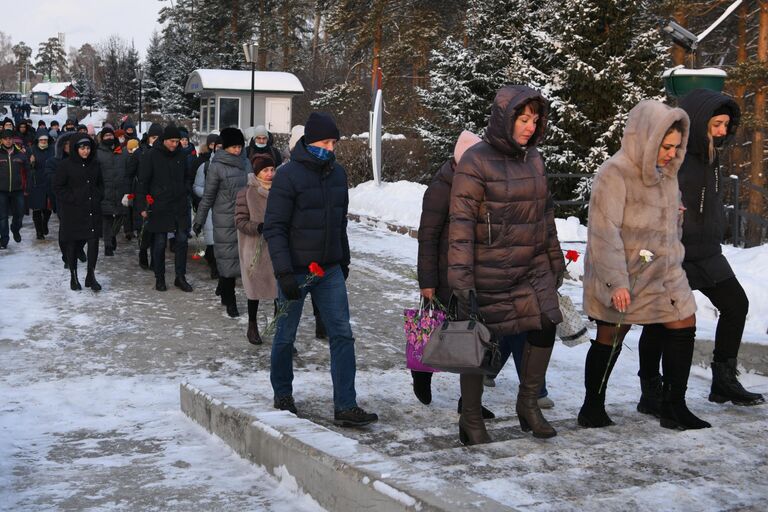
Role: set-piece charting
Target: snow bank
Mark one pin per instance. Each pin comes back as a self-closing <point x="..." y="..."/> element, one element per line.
<point x="398" y="203"/>
<point x="386" y="136"/>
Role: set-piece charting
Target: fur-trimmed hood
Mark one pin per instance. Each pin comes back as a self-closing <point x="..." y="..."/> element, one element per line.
<point x="647" y="124"/>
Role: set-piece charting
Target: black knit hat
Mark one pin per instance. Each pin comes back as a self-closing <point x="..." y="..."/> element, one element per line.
<point x="171" y="132"/>
<point x="232" y="137"/>
<point x="261" y="161"/>
<point x="106" y="130"/>
<point x="155" y="130"/>
<point x="320" y="126"/>
<point x="723" y="110"/>
<point x="6" y="134"/>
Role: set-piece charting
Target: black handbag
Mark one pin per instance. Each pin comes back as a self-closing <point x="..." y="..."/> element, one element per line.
<point x="463" y="346"/>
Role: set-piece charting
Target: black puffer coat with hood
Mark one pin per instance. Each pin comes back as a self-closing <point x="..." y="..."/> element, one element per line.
<point x="701" y="184"/>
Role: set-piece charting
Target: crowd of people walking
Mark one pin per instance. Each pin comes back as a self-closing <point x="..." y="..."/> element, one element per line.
<point x="278" y="222"/>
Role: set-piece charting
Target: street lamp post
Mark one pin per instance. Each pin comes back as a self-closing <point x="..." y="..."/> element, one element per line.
<point x="250" y="50"/>
<point x="141" y="84"/>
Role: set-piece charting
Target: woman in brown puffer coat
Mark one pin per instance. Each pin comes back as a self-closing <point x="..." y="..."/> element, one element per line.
<point x="258" y="276"/>
<point x="635" y="206"/>
<point x="503" y="247"/>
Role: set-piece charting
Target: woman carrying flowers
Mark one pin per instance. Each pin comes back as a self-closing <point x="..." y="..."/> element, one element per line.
<point x="633" y="266"/>
<point x="255" y="264"/>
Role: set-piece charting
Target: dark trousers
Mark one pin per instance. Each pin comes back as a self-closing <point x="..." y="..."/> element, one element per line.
<point x="159" y="242"/>
<point x="10" y="203"/>
<point x="227" y="289"/>
<point x="110" y="226"/>
<point x="74" y="247"/>
<point x="730" y="300"/>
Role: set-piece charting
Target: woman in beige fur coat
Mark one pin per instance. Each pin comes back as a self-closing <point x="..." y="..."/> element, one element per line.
<point x="635" y="207"/>
<point x="255" y="263"/>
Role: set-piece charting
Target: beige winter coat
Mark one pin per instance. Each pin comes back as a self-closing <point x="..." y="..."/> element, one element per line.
<point x="635" y="207"/>
<point x="259" y="279"/>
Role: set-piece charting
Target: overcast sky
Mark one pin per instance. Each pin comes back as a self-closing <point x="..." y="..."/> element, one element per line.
<point x="82" y="21"/>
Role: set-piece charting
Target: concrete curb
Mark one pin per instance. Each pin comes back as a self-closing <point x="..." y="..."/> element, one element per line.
<point x="338" y="472"/>
<point x="373" y="221"/>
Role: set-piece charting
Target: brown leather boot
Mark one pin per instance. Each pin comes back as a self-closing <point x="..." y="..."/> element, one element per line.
<point x="534" y="368"/>
<point x="471" y="424"/>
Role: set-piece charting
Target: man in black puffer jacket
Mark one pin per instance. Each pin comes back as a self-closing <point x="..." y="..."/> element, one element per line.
<point x="306" y="225"/>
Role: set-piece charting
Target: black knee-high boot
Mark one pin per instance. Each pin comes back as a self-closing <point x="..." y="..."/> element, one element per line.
<point x="471" y="424"/>
<point x="599" y="364"/>
<point x="676" y="364"/>
<point x="253" y="335"/>
<point x="74" y="283"/>
<point x="93" y="254"/>
<point x="46" y="218"/>
<point x="650" y="348"/>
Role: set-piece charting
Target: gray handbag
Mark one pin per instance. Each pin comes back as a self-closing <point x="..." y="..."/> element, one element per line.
<point x="463" y="346"/>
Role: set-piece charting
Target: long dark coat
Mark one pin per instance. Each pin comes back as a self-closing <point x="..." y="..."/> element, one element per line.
<point x="38" y="180"/>
<point x="79" y="191"/>
<point x="503" y="240"/>
<point x="164" y="175"/>
<point x="116" y="183"/>
<point x="701" y="184"/>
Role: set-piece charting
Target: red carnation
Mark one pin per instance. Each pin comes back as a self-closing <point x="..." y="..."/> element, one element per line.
<point x="131" y="197"/>
<point x="150" y="199"/>
<point x="316" y="269"/>
<point x="572" y="255"/>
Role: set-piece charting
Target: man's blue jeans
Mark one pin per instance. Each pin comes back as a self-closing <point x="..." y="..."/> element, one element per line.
<point x="13" y="201"/>
<point x="513" y="345"/>
<point x="330" y="295"/>
<point x="159" y="242"/>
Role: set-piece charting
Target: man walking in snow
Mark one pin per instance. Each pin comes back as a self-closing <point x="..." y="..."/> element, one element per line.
<point x="305" y="225"/>
<point x="13" y="170"/>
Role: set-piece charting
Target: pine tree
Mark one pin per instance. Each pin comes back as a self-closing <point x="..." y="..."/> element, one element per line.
<point x="129" y="76"/>
<point x="609" y="56"/>
<point x="153" y="74"/>
<point x="52" y="58"/>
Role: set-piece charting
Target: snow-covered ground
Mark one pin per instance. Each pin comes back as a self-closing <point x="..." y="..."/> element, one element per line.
<point x="400" y="203"/>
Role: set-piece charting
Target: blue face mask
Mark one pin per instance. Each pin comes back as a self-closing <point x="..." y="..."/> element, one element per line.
<point x="321" y="153"/>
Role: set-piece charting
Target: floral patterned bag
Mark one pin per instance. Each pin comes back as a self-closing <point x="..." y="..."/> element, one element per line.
<point x="419" y="324"/>
<point x="573" y="329"/>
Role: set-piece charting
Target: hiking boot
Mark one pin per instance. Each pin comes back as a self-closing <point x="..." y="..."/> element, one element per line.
<point x="286" y="403"/>
<point x="726" y="387"/>
<point x="354" y="417"/>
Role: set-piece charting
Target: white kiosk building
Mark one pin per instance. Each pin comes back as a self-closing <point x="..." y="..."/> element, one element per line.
<point x="225" y="98"/>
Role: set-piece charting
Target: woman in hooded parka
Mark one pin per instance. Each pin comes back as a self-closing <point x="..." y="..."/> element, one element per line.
<point x="714" y="120"/>
<point x="503" y="249"/>
<point x="79" y="191"/>
<point x="635" y="207"/>
<point x="226" y="177"/>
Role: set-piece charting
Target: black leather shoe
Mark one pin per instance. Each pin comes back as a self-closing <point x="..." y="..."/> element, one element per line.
<point x="354" y="417"/>
<point x="160" y="284"/>
<point x="286" y="403"/>
<point x="109" y="251"/>
<point x="181" y="283"/>
<point x="16" y="237"/>
<point x="81" y="256"/>
<point x="91" y="282"/>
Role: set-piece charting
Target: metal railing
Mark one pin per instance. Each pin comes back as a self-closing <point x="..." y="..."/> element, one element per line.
<point x="736" y="214"/>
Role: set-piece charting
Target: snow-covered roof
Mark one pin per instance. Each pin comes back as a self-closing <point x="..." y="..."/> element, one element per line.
<point x="682" y="71"/>
<point x="52" y="88"/>
<point x="231" y="80"/>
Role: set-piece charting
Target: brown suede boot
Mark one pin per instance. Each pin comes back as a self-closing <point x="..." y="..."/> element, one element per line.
<point x="532" y="373"/>
<point x="471" y="424"/>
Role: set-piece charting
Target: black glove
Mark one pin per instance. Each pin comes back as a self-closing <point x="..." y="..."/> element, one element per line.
<point x="289" y="287"/>
<point x="260" y="227"/>
<point x="345" y="271"/>
<point x="197" y="228"/>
